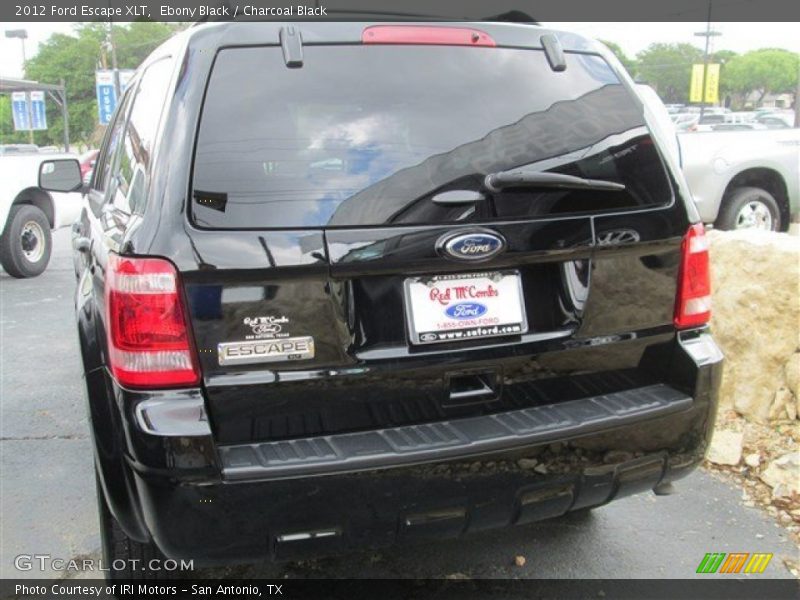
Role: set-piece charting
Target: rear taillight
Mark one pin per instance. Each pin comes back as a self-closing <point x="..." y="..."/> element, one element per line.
<point x="693" y="302"/>
<point x="148" y="337"/>
<point x="421" y="34"/>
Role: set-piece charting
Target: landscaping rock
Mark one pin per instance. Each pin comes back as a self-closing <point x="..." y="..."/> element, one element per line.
<point x="755" y="279"/>
<point x="783" y="475"/>
<point x="752" y="460"/>
<point x="726" y="448"/>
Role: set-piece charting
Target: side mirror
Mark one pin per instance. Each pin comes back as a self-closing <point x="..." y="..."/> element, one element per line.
<point x="60" y="175"/>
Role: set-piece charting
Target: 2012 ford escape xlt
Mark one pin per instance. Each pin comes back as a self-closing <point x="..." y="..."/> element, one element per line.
<point x="347" y="284"/>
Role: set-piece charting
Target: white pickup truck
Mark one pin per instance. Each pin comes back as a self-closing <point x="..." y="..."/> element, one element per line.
<point x="743" y="179"/>
<point x="738" y="179"/>
<point x="28" y="214"/>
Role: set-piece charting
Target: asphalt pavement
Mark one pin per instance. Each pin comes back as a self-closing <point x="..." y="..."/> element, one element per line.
<point x="47" y="496"/>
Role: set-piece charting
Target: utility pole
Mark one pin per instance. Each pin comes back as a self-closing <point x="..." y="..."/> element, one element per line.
<point x="114" y="65"/>
<point x="797" y="99"/>
<point x="708" y="34"/>
<point x="65" y="114"/>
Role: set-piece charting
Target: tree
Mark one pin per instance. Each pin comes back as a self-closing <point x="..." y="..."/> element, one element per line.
<point x="722" y="58"/>
<point x="7" y="133"/>
<point x="668" y="68"/>
<point x="627" y="62"/>
<point x="74" y="59"/>
<point x="769" y="70"/>
<point x="135" y="42"/>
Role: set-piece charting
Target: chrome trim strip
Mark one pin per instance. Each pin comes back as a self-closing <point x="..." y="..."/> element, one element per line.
<point x="308" y="535"/>
<point x="175" y="417"/>
<point x="264" y="351"/>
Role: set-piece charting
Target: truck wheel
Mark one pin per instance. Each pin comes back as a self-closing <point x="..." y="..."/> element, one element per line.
<point x="123" y="557"/>
<point x="25" y="244"/>
<point x="750" y="208"/>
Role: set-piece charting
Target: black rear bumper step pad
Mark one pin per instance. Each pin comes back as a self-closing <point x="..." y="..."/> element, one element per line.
<point x="457" y="438"/>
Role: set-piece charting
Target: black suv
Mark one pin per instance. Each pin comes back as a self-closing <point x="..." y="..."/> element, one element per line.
<point x="347" y="284"/>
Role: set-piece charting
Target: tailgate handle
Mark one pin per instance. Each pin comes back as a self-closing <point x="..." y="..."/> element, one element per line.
<point x="473" y="387"/>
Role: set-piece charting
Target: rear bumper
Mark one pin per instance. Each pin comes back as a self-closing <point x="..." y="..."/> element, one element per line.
<point x="287" y="500"/>
<point x="316" y="516"/>
<point x="453" y="439"/>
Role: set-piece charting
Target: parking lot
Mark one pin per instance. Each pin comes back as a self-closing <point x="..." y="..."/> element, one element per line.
<point x="48" y="500"/>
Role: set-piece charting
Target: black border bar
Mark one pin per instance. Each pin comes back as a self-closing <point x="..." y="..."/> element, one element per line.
<point x="352" y="10"/>
<point x="733" y="588"/>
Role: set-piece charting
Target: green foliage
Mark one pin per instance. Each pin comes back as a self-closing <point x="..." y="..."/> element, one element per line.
<point x="74" y="59"/>
<point x="723" y="58"/>
<point x="627" y="62"/>
<point x="135" y="42"/>
<point x="668" y="68"/>
<point x="769" y="70"/>
<point x="7" y="133"/>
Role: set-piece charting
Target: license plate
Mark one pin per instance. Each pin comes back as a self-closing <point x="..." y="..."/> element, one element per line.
<point x="452" y="308"/>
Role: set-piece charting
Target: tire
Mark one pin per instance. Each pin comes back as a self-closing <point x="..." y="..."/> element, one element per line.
<point x="123" y="557"/>
<point x="749" y="208"/>
<point x="26" y="244"/>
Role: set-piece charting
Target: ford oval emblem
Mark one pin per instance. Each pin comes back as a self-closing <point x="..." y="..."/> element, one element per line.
<point x="466" y="310"/>
<point x="474" y="246"/>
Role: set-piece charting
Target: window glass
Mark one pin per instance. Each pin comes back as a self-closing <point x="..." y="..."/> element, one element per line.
<point x="111" y="143"/>
<point x="368" y="135"/>
<point x="138" y="142"/>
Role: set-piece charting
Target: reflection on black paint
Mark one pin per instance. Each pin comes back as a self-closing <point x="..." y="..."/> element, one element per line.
<point x="205" y="301"/>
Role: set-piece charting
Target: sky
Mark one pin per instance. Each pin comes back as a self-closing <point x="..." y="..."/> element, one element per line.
<point x="632" y="37"/>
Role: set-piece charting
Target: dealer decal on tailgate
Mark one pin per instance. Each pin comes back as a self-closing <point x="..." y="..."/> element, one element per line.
<point x="267" y="342"/>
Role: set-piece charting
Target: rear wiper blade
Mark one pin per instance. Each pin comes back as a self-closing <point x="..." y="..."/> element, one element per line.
<point x="495" y="182"/>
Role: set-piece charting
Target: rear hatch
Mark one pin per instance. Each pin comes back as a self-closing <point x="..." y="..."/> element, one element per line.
<point x="360" y="272"/>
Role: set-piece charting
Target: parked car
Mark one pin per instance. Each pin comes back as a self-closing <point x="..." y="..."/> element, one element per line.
<point x="28" y="213"/>
<point x="737" y="127"/>
<point x="739" y="179"/>
<point x="744" y="179"/>
<point x="777" y="120"/>
<point x="87" y="162"/>
<point x="712" y="119"/>
<point x="18" y="149"/>
<point x="686" y="121"/>
<point x="387" y="312"/>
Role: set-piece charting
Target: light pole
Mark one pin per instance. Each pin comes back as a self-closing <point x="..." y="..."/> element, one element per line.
<point x="797" y="99"/>
<point x="708" y="34"/>
<point x="114" y="65"/>
<point x="22" y="34"/>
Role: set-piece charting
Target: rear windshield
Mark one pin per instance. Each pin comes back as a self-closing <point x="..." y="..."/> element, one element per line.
<point x="368" y="135"/>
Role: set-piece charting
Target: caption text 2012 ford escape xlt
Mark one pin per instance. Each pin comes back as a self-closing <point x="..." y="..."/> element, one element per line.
<point x="347" y="284"/>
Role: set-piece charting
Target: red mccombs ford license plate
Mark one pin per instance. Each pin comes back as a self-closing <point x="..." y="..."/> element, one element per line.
<point x="450" y="308"/>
